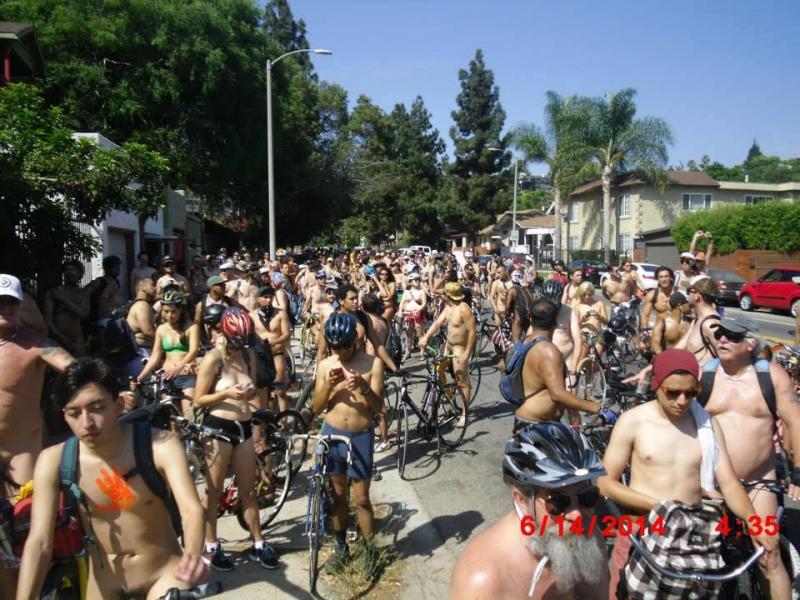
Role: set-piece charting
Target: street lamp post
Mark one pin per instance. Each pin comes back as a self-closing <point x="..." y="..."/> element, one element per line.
<point x="270" y="174"/>
<point x="514" y="233"/>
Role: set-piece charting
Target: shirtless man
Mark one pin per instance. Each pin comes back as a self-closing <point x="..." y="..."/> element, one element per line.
<point x="670" y="329"/>
<point x="216" y="295"/>
<point x="136" y="550"/>
<point x="197" y="278"/>
<point x="141" y="270"/>
<point x="104" y="292"/>
<point x="571" y="289"/>
<point x="349" y="385"/>
<point x="699" y="340"/>
<point x="171" y="276"/>
<point x="372" y="308"/>
<point x="498" y="294"/>
<point x="141" y="319"/>
<point x="686" y="271"/>
<point x="272" y="326"/>
<point x="662" y="441"/>
<point x="629" y="273"/>
<point x="567" y="334"/>
<point x="65" y="307"/>
<point x="460" y="321"/>
<point x="544" y="372"/>
<point x="738" y="405"/>
<point x="504" y="563"/>
<point x="24" y="354"/>
<point x="316" y="297"/>
<point x="658" y="298"/>
<point x="615" y="288"/>
<point x="702" y="259"/>
<point x="244" y="290"/>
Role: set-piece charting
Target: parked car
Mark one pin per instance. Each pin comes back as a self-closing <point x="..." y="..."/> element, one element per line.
<point x="778" y="289"/>
<point x="593" y="270"/>
<point x="730" y="284"/>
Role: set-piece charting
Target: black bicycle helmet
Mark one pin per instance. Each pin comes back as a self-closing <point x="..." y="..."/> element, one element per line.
<point x="174" y="298"/>
<point x="212" y="314"/>
<point x="617" y="322"/>
<point x="552" y="290"/>
<point x="340" y="330"/>
<point x="550" y="455"/>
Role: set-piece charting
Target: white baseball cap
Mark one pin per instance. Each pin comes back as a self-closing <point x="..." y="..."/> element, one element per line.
<point x="226" y="265"/>
<point x="10" y="286"/>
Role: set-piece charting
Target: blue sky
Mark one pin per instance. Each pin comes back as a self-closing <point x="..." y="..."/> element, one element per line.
<point x="720" y="73"/>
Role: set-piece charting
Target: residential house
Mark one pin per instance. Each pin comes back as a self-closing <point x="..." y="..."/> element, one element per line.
<point x="19" y="53"/>
<point x="536" y="229"/>
<point x="642" y="217"/>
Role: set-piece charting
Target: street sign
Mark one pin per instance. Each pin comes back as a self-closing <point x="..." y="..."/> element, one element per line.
<point x="514" y="237"/>
<point x="521" y="249"/>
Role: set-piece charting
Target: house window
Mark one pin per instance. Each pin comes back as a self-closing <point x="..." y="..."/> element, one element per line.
<point x="573" y="242"/>
<point x="624" y="244"/>
<point x="574" y="212"/>
<point x="696" y="201"/>
<point x="758" y="199"/>
<point x="624" y="206"/>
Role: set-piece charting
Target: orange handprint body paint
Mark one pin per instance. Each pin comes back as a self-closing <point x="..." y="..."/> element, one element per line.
<point x="114" y="486"/>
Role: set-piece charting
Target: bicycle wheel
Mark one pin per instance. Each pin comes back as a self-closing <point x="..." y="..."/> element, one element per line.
<point x="391" y="393"/>
<point x="315" y="532"/>
<point x="449" y="409"/>
<point x="303" y="403"/>
<point x="591" y="382"/>
<point x="474" y="379"/>
<point x="402" y="439"/>
<point x="195" y="457"/>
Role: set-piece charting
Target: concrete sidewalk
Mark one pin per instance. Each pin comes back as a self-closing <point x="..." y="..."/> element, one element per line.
<point x="421" y="568"/>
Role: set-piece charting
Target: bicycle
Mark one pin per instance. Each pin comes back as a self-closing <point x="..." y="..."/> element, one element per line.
<point x="319" y="498"/>
<point x="442" y="406"/>
<point x="591" y="382"/>
<point x="308" y="340"/>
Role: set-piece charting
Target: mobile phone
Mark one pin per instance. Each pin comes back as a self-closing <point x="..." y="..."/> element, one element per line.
<point x="337" y="372"/>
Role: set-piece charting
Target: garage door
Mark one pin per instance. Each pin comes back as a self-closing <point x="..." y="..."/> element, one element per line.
<point x="662" y="254"/>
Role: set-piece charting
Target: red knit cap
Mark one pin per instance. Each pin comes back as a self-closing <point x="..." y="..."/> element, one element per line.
<point x="667" y="362"/>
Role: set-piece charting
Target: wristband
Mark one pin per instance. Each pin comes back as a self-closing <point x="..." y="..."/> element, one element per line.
<point x="795" y="477"/>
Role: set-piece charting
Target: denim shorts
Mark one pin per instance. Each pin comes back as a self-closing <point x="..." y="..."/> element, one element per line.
<point x="361" y="444"/>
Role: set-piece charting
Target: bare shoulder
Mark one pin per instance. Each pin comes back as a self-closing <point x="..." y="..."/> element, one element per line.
<point x="475" y="575"/>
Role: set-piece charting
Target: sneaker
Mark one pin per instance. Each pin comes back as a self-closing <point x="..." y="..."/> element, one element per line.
<point x="266" y="557"/>
<point x="383" y="446"/>
<point x="462" y="422"/>
<point x="218" y="560"/>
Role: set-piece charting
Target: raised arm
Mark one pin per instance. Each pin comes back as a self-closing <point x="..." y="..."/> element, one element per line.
<point x="56" y="357"/>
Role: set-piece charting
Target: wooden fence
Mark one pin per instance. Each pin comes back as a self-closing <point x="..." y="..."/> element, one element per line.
<point x="752" y="264"/>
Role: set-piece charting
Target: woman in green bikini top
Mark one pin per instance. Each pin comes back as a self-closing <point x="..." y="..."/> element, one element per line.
<point x="175" y="348"/>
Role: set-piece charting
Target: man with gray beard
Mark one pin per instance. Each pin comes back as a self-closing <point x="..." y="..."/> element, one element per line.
<point x="550" y="468"/>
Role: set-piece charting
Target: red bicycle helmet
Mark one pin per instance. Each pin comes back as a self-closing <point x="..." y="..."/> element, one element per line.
<point x="237" y="327"/>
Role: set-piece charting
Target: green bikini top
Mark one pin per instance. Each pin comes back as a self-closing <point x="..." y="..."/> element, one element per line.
<point x="179" y="347"/>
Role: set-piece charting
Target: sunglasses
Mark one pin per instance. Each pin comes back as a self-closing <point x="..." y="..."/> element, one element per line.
<point x="558" y="502"/>
<point x="731" y="336"/>
<point x="686" y="261"/>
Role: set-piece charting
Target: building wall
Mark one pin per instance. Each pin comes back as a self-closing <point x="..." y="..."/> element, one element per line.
<point x="651" y="210"/>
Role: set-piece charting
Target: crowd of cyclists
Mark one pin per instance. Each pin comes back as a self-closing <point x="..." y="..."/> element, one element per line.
<point x="690" y="407"/>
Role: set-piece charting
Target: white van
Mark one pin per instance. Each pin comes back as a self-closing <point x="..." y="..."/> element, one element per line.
<point x="426" y="250"/>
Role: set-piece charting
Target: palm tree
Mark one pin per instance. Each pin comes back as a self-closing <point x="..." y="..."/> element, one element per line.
<point x="563" y="148"/>
<point x="622" y="143"/>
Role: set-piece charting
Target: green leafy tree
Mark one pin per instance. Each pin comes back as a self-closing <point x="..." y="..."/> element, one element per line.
<point x="474" y="192"/>
<point x="754" y="152"/>
<point x="50" y="181"/>
<point x="621" y="142"/>
<point x="563" y="147"/>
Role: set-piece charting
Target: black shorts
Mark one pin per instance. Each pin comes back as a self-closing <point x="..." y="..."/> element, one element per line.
<point x="238" y="430"/>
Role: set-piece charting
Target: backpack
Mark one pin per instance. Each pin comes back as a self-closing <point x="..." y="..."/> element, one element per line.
<point x="94" y="298"/>
<point x="394" y="348"/>
<point x="764" y="382"/>
<point x="511" y="386"/>
<point x="117" y="341"/>
<point x="264" y="365"/>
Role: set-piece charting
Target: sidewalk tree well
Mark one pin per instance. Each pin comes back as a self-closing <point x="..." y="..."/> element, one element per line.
<point x="770" y="226"/>
<point x="51" y="182"/>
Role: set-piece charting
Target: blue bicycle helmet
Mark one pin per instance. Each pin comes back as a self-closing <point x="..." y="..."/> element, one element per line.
<point x="550" y="455"/>
<point x="552" y="290"/>
<point x="340" y="330"/>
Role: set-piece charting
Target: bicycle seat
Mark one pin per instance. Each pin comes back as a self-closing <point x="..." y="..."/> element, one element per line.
<point x="265" y="416"/>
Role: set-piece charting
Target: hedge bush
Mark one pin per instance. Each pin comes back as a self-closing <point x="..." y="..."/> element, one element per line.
<point x="770" y="226"/>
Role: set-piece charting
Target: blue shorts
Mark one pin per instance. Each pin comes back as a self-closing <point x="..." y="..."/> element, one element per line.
<point x="361" y="444"/>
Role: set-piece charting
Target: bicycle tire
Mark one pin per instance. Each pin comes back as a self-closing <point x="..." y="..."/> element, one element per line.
<point x="402" y="440"/>
<point x="475" y="376"/>
<point x="449" y="408"/>
<point x="195" y="457"/>
<point x="391" y="394"/>
<point x="315" y="532"/>
<point x="305" y="399"/>
<point x="592" y="385"/>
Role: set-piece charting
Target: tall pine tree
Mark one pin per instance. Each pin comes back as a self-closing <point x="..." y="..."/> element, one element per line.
<point x="473" y="193"/>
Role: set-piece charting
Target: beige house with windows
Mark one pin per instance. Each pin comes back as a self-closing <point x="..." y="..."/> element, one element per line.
<point x="642" y="214"/>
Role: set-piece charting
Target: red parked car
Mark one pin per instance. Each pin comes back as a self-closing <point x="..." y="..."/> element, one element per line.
<point x="778" y="289"/>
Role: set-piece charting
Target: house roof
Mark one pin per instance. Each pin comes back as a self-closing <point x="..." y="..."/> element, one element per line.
<point x="21" y="38"/>
<point x="13" y="30"/>
<point x="684" y="178"/>
<point x="538" y="221"/>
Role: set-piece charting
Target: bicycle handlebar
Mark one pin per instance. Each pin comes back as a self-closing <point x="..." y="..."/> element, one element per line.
<point x="203" y="590"/>
<point x="204" y="430"/>
<point x="325" y="440"/>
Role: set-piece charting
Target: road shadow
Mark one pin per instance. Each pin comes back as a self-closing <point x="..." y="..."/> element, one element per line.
<point x="425" y="539"/>
<point x="248" y="572"/>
